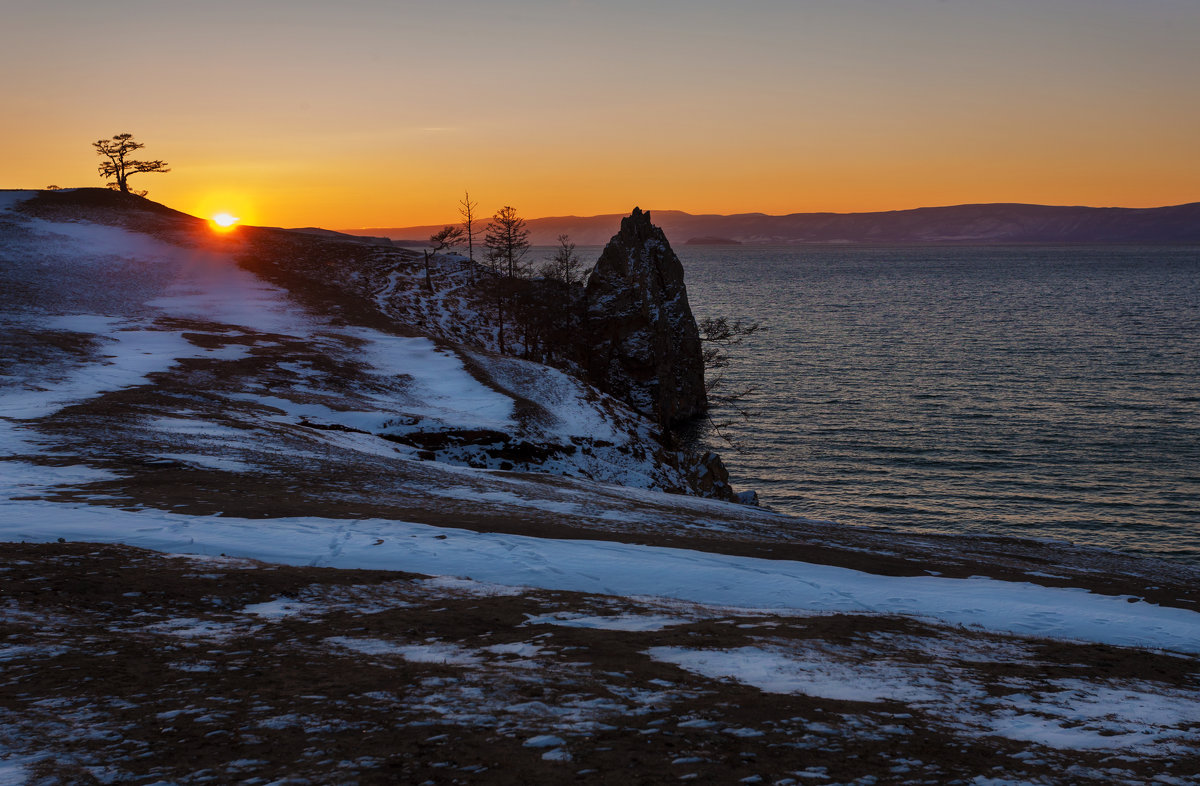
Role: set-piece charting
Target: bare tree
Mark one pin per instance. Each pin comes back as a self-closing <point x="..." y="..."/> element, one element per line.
<point x="466" y="209"/>
<point x="119" y="166"/>
<point x="717" y="335"/>
<point x="551" y="307"/>
<point x="444" y="239"/>
<point x="564" y="266"/>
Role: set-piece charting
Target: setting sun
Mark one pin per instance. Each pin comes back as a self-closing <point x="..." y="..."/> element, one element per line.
<point x="224" y="220"/>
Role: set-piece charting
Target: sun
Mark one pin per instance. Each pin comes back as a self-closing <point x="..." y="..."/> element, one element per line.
<point x="225" y="221"/>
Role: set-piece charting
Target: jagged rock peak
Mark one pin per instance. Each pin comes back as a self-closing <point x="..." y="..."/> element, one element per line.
<point x="637" y="220"/>
<point x="644" y="346"/>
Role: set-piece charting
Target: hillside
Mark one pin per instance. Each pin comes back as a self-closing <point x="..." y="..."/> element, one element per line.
<point x="274" y="509"/>
<point x="994" y="223"/>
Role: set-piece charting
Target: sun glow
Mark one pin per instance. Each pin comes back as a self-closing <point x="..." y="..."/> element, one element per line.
<point x="225" y="221"/>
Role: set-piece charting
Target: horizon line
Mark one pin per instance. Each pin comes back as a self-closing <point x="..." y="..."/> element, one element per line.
<point x="805" y="213"/>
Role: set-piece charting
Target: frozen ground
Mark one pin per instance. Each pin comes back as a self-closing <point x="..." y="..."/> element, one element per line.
<point x="630" y="570"/>
<point x="110" y="308"/>
<point x="196" y="395"/>
<point x="128" y="666"/>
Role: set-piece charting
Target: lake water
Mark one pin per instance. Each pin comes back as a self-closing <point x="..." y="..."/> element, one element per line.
<point x="1045" y="392"/>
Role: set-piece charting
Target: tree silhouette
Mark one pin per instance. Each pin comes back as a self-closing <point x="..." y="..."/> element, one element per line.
<point x="120" y="166"/>
<point x="507" y="243"/>
<point x="564" y="266"/>
<point x="717" y="335"/>
<point x="466" y="209"/>
<point x="444" y="239"/>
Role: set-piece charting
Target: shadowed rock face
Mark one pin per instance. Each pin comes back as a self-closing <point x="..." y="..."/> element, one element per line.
<point x="644" y="347"/>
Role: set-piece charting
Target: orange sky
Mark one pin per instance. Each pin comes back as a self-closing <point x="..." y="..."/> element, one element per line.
<point x="380" y="113"/>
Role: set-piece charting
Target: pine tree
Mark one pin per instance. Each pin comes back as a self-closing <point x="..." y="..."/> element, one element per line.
<point x="507" y="243"/>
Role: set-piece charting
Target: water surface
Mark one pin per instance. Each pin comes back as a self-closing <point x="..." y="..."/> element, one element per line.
<point x="1045" y="392"/>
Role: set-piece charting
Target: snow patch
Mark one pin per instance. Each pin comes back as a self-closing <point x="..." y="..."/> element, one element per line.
<point x="623" y="622"/>
<point x="279" y="608"/>
<point x="132" y="353"/>
<point x="20" y="478"/>
<point x="564" y="398"/>
<point x="447" y="654"/>
<point x="188" y="628"/>
<point x="521" y="649"/>
<point x="221" y="463"/>
<point x="448" y="392"/>
<point x="1077" y="715"/>
<point x="613" y="568"/>
<point x="1065" y="714"/>
<point x="10" y="198"/>
<point x="784" y="671"/>
<point x="544" y="741"/>
<point x="15" y="769"/>
<point x="479" y="589"/>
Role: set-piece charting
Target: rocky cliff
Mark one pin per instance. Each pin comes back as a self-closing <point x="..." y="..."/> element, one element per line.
<point x="643" y="344"/>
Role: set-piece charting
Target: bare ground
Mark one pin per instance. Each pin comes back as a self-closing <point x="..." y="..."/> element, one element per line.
<point x="120" y="665"/>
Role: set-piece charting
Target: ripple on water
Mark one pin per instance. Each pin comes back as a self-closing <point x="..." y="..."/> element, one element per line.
<point x="1018" y="390"/>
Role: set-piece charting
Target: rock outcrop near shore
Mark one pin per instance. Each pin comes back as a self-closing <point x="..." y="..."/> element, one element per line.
<point x="643" y="343"/>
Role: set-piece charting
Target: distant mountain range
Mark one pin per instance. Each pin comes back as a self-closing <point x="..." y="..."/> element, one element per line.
<point x="993" y="223"/>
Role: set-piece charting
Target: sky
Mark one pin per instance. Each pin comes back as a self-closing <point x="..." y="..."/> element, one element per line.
<point x="373" y="113"/>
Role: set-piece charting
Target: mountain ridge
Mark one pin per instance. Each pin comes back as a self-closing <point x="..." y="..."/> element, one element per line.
<point x="1000" y="222"/>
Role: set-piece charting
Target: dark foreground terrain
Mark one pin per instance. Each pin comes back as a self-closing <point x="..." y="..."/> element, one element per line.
<point x="124" y="666"/>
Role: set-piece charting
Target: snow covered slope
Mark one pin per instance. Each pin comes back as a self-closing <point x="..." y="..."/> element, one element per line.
<point x="134" y="308"/>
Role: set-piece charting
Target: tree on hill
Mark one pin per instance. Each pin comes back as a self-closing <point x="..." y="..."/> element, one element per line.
<point x="466" y="209"/>
<point x="444" y="239"/>
<point x="507" y="243"/>
<point x="119" y="166"/>
<point x="550" y="309"/>
<point x="564" y="266"/>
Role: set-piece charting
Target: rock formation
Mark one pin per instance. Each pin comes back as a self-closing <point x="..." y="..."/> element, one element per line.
<point x="643" y="344"/>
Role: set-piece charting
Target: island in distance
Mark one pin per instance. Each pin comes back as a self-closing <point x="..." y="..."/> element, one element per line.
<point x="990" y="223"/>
<point x="710" y="240"/>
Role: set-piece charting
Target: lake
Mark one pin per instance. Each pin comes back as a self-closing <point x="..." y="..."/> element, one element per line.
<point x="1035" y="391"/>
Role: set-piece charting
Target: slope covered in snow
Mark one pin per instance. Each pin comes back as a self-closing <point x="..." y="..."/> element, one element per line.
<point x="135" y="306"/>
<point x="614" y="568"/>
